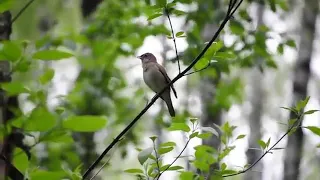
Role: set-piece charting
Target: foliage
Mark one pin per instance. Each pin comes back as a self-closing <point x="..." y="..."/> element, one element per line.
<point x="60" y="137"/>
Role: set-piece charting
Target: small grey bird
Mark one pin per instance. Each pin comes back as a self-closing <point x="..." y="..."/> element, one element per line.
<point x="156" y="77"/>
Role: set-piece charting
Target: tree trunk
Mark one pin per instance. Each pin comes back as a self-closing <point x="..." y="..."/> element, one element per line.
<point x="256" y="98"/>
<point x="7" y="146"/>
<point x="300" y="82"/>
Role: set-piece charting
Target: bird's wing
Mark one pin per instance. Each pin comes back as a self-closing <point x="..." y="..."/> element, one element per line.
<point x="164" y="73"/>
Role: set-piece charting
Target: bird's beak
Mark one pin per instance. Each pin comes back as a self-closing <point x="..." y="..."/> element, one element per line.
<point x="139" y="57"/>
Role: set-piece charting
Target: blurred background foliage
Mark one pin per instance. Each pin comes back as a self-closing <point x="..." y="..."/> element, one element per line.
<point x="79" y="85"/>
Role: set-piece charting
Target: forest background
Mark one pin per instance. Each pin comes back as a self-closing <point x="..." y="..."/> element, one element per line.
<point x="74" y="105"/>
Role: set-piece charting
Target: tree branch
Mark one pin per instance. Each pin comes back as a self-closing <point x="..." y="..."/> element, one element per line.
<point x="153" y="100"/>
<point x="299" y="118"/>
<point x="21" y="11"/>
<point x="173" y="37"/>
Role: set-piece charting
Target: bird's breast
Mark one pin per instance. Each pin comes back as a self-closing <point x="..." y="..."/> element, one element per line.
<point x="154" y="79"/>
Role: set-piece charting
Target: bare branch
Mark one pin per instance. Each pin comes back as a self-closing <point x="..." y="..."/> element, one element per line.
<point x="21" y="11"/>
<point x="299" y="118"/>
<point x="173" y="37"/>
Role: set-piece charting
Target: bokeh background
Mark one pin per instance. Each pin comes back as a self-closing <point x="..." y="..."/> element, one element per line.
<point x="269" y="58"/>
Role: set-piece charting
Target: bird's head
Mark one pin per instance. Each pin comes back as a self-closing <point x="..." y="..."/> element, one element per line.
<point x="147" y="57"/>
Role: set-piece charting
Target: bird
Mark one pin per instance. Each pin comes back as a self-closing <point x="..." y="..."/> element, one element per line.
<point x="156" y="78"/>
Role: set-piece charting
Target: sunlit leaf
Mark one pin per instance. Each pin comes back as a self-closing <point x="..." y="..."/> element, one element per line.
<point x="314" y="129"/>
<point x="51" y="55"/>
<point x="193" y="135"/>
<point x="20" y="160"/>
<point x="14" y="88"/>
<point x="204" y="135"/>
<point x="164" y="150"/>
<point x="179" y="127"/>
<point x="134" y="171"/>
<point x="154" y="16"/>
<point x="311" y="111"/>
<point x="241" y="136"/>
<point x="85" y="123"/>
<point x="48" y="175"/>
<point x="262" y="144"/>
<point x="47" y="76"/>
<point x="10" y="51"/>
<point x="40" y="120"/>
<point x="168" y="144"/>
<point x="186" y="175"/>
<point x="5" y="5"/>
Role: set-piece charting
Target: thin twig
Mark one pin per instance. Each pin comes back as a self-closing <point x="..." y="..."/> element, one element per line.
<point x="184" y="148"/>
<point x="157" y="157"/>
<point x="153" y="100"/>
<point x="299" y="118"/>
<point x="173" y="38"/>
<point x="21" y="11"/>
<point x="102" y="166"/>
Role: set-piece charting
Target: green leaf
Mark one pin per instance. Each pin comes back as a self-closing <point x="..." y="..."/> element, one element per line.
<point x="144" y="155"/>
<point x="85" y="123"/>
<point x="49" y="55"/>
<point x="179" y="127"/>
<point x="292" y="109"/>
<point x="314" y="129"/>
<point x="226" y="151"/>
<point x="211" y="130"/>
<point x="272" y="4"/>
<point x="310" y="111"/>
<point x="20" y="160"/>
<point x="262" y="144"/>
<point x="153" y="16"/>
<point x="204" y="135"/>
<point x="193" y="135"/>
<point x="14" y="88"/>
<point x="174" y="168"/>
<point x="40" y="119"/>
<point x="291" y="43"/>
<point x="241" y="136"/>
<point x="236" y="27"/>
<point x="47" y="175"/>
<point x="161" y="3"/>
<point x="134" y="171"/>
<point x="164" y="150"/>
<point x="186" y="175"/>
<point x="171" y="168"/>
<point x="153" y="138"/>
<point x="168" y="144"/>
<point x="280" y="49"/>
<point x="302" y="104"/>
<point x="58" y="136"/>
<point x="223" y="166"/>
<point x="224" y="55"/>
<point x="178" y="12"/>
<point x="228" y="171"/>
<point x="10" y="51"/>
<point x="180" y="34"/>
<point x="5" y="5"/>
<point x="268" y="142"/>
<point x="47" y="76"/>
<point x="193" y="120"/>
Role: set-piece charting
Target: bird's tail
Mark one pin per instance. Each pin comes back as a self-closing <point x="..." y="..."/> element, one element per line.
<point x="170" y="106"/>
